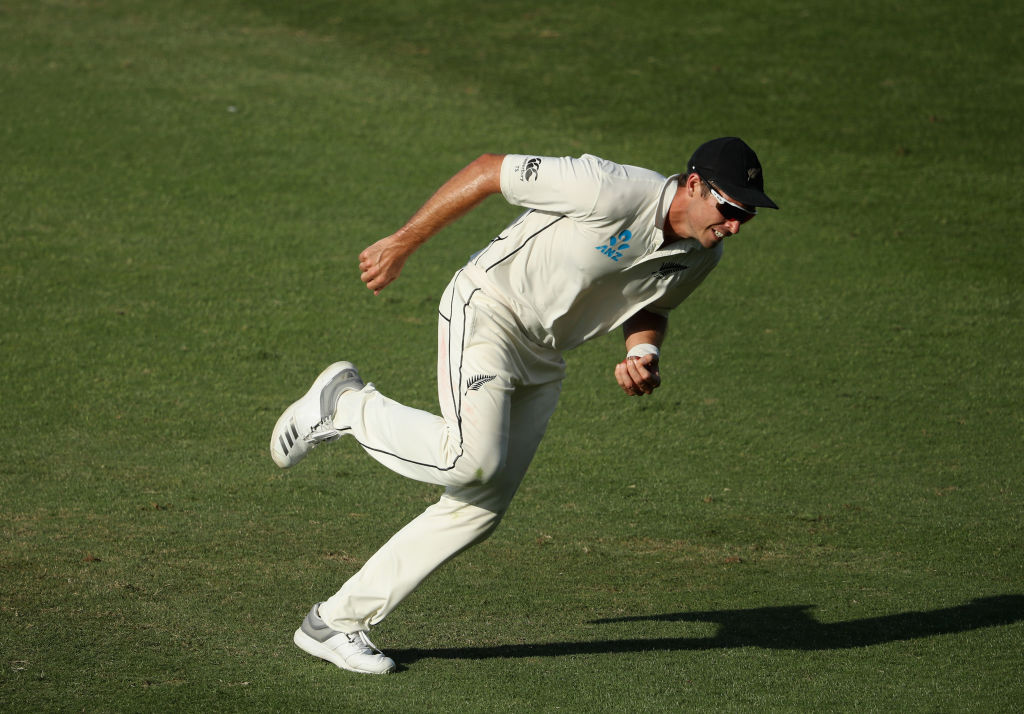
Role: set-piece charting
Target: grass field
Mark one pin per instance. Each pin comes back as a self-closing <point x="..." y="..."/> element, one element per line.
<point x="819" y="511"/>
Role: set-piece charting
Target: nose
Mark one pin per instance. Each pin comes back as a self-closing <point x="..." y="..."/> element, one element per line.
<point x="733" y="225"/>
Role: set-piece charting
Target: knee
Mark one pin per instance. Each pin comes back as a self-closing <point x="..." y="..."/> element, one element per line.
<point x="486" y="523"/>
<point x="477" y="471"/>
<point x="478" y="523"/>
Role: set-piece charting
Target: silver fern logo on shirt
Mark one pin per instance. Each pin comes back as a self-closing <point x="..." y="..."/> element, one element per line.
<point x="615" y="246"/>
<point x="668" y="269"/>
<point x="473" y="384"/>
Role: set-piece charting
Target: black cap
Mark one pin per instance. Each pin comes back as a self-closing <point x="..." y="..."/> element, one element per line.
<point x="732" y="166"/>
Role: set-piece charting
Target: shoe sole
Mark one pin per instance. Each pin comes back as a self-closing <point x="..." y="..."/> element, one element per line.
<point x="307" y="644"/>
<point x="282" y="434"/>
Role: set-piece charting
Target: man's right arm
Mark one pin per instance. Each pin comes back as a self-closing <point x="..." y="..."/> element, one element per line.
<point x="642" y="375"/>
<point x="381" y="263"/>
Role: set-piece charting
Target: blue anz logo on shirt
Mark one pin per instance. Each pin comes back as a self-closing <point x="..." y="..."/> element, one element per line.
<point x="615" y="246"/>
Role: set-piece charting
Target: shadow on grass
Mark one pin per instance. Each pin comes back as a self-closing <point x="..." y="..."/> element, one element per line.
<point x="783" y="628"/>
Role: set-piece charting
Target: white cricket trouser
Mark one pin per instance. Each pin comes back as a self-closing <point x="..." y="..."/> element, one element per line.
<point x="497" y="390"/>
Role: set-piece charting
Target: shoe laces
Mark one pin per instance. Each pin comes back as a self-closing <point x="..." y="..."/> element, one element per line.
<point x="362" y="640"/>
<point x="323" y="431"/>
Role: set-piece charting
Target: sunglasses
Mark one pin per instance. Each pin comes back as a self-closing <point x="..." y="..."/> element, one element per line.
<point x="730" y="211"/>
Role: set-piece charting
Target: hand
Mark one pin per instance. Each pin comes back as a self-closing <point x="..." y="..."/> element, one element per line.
<point x="638" y="375"/>
<point x="381" y="263"/>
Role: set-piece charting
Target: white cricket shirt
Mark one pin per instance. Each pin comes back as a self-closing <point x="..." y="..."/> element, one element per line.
<point x="588" y="254"/>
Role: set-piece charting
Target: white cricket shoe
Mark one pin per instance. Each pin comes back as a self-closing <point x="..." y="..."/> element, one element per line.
<point x="308" y="421"/>
<point x="349" y="650"/>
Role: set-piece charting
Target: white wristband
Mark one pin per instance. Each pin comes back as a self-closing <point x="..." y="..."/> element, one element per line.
<point x="643" y="349"/>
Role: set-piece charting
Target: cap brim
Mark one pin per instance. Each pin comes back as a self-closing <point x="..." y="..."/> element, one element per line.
<point x="743" y="194"/>
<point x="751" y="197"/>
<point x="747" y="195"/>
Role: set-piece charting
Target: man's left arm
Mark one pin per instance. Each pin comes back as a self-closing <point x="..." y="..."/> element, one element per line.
<point x="639" y="373"/>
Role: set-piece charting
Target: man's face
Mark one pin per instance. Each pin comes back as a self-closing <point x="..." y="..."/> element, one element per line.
<point x="710" y="215"/>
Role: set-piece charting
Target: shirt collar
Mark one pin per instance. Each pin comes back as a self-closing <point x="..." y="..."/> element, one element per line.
<point x="668" y="192"/>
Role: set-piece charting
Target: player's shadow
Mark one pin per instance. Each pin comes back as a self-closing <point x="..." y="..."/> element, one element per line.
<point x="790" y="627"/>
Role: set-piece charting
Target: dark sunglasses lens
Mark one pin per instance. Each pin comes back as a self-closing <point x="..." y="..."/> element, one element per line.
<point x="731" y="213"/>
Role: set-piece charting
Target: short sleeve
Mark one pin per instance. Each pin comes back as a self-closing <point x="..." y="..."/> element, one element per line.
<point x="564" y="185"/>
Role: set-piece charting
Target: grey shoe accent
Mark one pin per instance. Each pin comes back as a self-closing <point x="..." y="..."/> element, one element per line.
<point x="342" y="382"/>
<point x="315" y="627"/>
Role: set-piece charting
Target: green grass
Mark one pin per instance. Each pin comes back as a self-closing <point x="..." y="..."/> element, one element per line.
<point x="820" y="510"/>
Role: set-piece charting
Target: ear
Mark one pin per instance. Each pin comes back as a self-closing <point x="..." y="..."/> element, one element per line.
<point x="692" y="184"/>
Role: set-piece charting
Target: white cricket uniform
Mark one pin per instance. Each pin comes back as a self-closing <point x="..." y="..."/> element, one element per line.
<point x="587" y="254"/>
